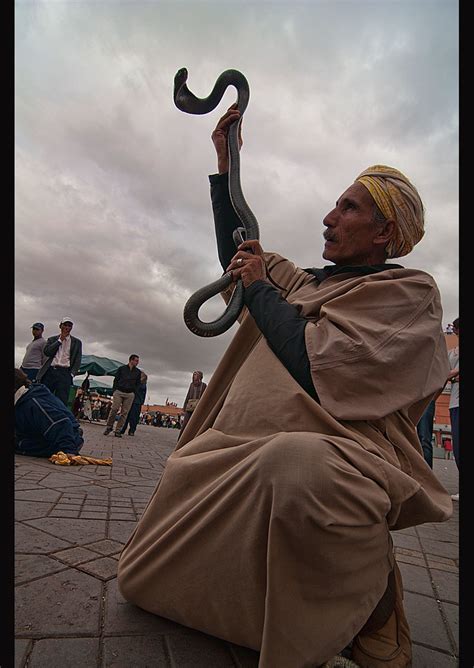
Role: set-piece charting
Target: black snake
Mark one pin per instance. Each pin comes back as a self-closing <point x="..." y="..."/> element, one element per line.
<point x="188" y="102"/>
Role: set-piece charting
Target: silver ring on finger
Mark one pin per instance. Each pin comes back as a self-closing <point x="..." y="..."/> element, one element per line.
<point x="240" y="261"/>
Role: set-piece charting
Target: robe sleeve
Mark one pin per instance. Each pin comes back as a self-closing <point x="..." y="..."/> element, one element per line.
<point x="379" y="347"/>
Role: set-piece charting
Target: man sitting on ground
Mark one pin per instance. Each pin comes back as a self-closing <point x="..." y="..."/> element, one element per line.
<point x="43" y="424"/>
<point x="271" y="524"/>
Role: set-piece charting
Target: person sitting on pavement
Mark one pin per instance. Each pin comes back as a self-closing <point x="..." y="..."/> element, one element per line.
<point x="274" y="511"/>
<point x="43" y="424"/>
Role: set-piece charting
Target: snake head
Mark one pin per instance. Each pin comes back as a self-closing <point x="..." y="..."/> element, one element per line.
<point x="180" y="78"/>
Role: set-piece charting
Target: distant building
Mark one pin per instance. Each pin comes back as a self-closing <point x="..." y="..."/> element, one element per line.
<point x="168" y="409"/>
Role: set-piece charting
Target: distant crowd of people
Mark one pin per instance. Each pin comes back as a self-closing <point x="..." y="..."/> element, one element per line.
<point x="42" y="395"/>
<point x="157" y="419"/>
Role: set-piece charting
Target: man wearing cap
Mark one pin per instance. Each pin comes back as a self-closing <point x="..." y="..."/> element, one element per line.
<point x="302" y="455"/>
<point x="64" y="355"/>
<point x="34" y="356"/>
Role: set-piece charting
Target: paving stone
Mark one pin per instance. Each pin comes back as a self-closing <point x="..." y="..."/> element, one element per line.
<point x="70" y="652"/>
<point x="104" y="568"/>
<point x="94" y="508"/>
<point x="38" y="495"/>
<point x="121" y="530"/>
<point x="451" y="613"/>
<point x="109" y="484"/>
<point x="196" y="650"/>
<point x="124" y="618"/>
<point x="426" y="623"/>
<point x="409" y="531"/>
<point x="26" y="510"/>
<point x="136" y="651"/>
<point x="436" y="563"/>
<point x="71" y="514"/>
<point x="25" y="486"/>
<point x="32" y="566"/>
<point x="447" y="585"/>
<point x="21" y="650"/>
<point x="130" y="479"/>
<point x="30" y="540"/>
<point x="62" y="604"/>
<point x="133" y="493"/>
<point x="431" y="531"/>
<point x="408" y="559"/>
<point x="416" y="579"/>
<point x="69" y="478"/>
<point x="441" y="548"/>
<point x="428" y="658"/>
<point x="407" y="542"/>
<point x="91" y="491"/>
<point x="74" y="530"/>
<point x="122" y="516"/>
<point x="418" y="554"/>
<point x="106" y="547"/>
<point x="85" y="515"/>
<point x="75" y="555"/>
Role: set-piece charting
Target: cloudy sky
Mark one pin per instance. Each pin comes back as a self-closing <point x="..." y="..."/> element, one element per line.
<point x="113" y="219"/>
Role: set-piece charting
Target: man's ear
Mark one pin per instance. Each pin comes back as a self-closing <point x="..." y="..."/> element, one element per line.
<point x="385" y="232"/>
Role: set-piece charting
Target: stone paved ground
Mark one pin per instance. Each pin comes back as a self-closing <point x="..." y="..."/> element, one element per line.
<point x="72" y="522"/>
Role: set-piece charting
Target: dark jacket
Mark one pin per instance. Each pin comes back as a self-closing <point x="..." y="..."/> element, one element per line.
<point x="44" y="426"/>
<point x="50" y="350"/>
<point x="126" y="379"/>
<point x="140" y="395"/>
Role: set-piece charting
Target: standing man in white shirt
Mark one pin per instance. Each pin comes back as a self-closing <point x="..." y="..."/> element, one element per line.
<point x="64" y="355"/>
<point x="34" y="356"/>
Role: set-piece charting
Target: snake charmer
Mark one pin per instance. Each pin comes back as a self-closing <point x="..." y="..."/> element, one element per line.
<point x="270" y="527"/>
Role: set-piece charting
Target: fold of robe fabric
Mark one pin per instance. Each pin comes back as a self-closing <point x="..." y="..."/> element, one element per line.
<point x="270" y="525"/>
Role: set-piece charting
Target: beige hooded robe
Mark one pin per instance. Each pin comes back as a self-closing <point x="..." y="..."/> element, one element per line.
<point x="270" y="525"/>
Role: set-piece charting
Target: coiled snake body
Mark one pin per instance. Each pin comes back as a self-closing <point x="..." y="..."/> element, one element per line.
<point x="188" y="102"/>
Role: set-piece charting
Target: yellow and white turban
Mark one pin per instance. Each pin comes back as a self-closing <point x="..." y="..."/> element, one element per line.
<point x="396" y="198"/>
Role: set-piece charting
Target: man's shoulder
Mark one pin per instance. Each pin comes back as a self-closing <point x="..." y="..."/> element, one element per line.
<point x="403" y="274"/>
<point x="35" y="391"/>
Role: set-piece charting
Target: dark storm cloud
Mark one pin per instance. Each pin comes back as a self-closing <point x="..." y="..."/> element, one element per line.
<point x="113" y="219"/>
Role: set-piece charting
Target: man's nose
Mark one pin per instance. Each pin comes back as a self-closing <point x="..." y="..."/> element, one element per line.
<point x="329" y="218"/>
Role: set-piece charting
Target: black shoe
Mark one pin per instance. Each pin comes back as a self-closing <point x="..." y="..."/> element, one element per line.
<point x="131" y="433"/>
<point x="118" y="434"/>
<point x="107" y="431"/>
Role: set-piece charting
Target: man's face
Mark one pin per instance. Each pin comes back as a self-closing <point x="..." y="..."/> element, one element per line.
<point x="65" y="328"/>
<point x="196" y="378"/>
<point x="351" y="228"/>
<point x="134" y="361"/>
<point x="37" y="332"/>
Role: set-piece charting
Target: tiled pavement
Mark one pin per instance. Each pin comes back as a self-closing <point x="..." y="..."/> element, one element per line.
<point x="72" y="522"/>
